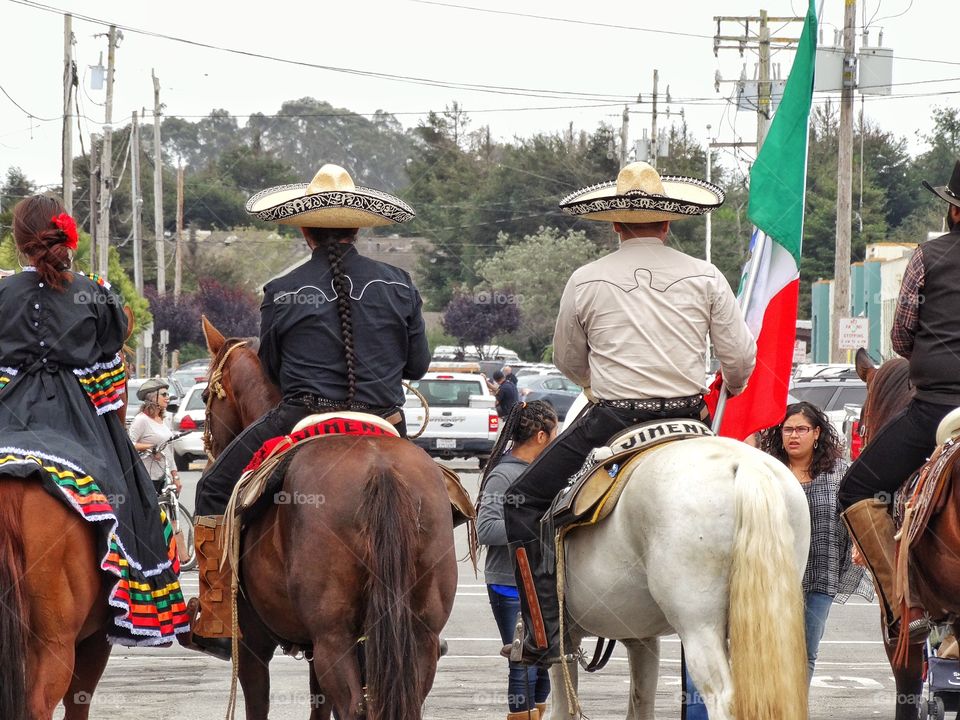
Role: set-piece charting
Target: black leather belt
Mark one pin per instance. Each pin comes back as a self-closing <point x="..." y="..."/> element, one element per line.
<point x="316" y="403"/>
<point x="655" y="404"/>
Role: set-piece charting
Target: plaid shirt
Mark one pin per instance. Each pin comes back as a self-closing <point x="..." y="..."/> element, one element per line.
<point x="830" y="569"/>
<point x="908" y="306"/>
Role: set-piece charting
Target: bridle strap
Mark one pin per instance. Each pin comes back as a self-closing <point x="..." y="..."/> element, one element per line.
<point x="215" y="387"/>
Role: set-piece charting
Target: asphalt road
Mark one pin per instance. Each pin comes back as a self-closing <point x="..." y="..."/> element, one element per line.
<point x="852" y="680"/>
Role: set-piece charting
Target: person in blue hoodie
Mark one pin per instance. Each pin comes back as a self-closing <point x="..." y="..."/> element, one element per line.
<point x="528" y="429"/>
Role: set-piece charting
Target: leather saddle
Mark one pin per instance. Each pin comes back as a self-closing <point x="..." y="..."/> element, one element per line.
<point x="594" y="490"/>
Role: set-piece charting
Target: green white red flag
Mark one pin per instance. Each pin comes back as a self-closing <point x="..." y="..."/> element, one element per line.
<point x="770" y="287"/>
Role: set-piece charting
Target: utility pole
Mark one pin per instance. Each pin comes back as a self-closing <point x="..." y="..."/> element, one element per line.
<point x="94" y="191"/>
<point x="761" y="41"/>
<point x="841" y="265"/>
<point x="178" y="259"/>
<point x="137" y="202"/>
<point x="624" y="134"/>
<point x="708" y="235"/>
<point x="764" y="106"/>
<point x="137" y="216"/>
<point x="68" y="80"/>
<point x="158" y="190"/>
<point x="106" y="161"/>
<point x="653" y="122"/>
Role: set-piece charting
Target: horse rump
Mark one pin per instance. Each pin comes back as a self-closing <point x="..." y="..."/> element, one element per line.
<point x="13" y="618"/>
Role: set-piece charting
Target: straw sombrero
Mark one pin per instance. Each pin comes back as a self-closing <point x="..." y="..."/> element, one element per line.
<point x="640" y="195"/>
<point x="331" y="200"/>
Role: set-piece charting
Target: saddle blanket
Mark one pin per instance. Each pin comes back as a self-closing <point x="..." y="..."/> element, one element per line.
<point x="343" y="423"/>
<point x="598" y="484"/>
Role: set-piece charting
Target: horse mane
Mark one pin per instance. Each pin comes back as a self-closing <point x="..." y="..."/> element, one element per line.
<point x="889" y="392"/>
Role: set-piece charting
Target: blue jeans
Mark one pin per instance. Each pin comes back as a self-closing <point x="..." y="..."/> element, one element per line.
<point x="520" y="679"/>
<point x="816" y="608"/>
<point x="692" y="707"/>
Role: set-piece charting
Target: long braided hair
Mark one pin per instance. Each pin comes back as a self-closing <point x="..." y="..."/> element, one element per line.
<point x="330" y="238"/>
<point x="525" y="420"/>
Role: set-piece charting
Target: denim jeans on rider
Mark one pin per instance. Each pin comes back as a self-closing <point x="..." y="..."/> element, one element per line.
<point x="692" y="707"/>
<point x="816" y="608"/>
<point x="521" y="679"/>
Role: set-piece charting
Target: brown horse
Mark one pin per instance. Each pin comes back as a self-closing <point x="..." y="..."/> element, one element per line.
<point x="362" y="574"/>
<point x="53" y="641"/>
<point x="888" y="392"/>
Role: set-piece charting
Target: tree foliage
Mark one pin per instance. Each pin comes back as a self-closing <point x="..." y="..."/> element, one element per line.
<point x="538" y="267"/>
<point x="475" y="319"/>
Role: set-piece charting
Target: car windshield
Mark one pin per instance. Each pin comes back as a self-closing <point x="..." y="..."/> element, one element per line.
<point x="818" y="395"/>
<point x="855" y="395"/>
<point x="448" y="393"/>
<point x="196" y="400"/>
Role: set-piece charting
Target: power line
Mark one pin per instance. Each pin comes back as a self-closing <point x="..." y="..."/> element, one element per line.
<point x="25" y="111"/>
<point x="631" y="28"/>
<point x="477" y="87"/>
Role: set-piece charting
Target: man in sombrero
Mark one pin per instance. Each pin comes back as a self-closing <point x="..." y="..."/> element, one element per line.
<point x="926" y="331"/>
<point x="339" y="332"/>
<point x="632" y="330"/>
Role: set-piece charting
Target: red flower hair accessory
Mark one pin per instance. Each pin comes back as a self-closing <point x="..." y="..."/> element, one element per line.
<point x="68" y="227"/>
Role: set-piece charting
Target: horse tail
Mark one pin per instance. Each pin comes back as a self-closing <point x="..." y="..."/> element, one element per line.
<point x="767" y="643"/>
<point x="389" y="525"/>
<point x="13" y="617"/>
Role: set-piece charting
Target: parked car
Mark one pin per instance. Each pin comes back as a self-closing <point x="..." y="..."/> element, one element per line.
<point x="192" y="372"/>
<point x="463" y="418"/>
<point x="553" y="388"/>
<point x="833" y="394"/>
<point x="190" y="417"/>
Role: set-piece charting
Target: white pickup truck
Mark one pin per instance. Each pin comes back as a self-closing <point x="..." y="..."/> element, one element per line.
<point x="463" y="418"/>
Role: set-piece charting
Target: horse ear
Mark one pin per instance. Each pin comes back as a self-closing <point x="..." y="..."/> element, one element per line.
<point x="214" y="337"/>
<point x="131" y="322"/>
<point x="865" y="365"/>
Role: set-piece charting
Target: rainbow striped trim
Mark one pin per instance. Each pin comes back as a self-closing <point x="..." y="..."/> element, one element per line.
<point x="102" y="282"/>
<point x="105" y="384"/>
<point x="6" y="375"/>
<point x="153" y="612"/>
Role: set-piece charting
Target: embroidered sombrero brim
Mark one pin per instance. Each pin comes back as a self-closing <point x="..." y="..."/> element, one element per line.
<point x="682" y="197"/>
<point x="330" y="201"/>
<point x="360" y="207"/>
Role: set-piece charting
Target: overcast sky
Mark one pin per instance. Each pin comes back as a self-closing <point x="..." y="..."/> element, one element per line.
<point x="583" y="70"/>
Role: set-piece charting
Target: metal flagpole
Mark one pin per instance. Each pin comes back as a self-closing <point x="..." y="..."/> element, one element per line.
<point x="760" y="246"/>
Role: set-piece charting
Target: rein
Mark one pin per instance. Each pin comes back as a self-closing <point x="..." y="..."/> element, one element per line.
<point x="215" y="387"/>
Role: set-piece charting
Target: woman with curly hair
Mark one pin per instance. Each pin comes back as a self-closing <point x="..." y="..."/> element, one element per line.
<point x="528" y="429"/>
<point x="806" y="442"/>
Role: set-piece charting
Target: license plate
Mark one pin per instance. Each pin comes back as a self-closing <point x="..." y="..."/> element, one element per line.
<point x="446" y="444"/>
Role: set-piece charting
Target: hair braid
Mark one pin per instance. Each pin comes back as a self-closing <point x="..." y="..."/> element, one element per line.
<point x="525" y="420"/>
<point x="335" y="256"/>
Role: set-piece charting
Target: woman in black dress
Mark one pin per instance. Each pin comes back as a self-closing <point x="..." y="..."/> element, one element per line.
<point x="61" y="374"/>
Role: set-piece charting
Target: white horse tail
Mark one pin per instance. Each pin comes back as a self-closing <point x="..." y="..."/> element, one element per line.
<point x="767" y="644"/>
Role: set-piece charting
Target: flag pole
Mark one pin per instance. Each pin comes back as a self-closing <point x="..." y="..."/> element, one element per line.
<point x="753" y="270"/>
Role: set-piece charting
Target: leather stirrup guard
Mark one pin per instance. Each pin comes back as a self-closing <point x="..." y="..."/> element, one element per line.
<point x="533" y="602"/>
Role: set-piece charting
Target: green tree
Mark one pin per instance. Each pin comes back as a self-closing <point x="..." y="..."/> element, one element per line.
<point x="538" y="266"/>
<point x="443" y="180"/>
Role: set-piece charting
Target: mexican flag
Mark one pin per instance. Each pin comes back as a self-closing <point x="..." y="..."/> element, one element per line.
<point x="771" y="283"/>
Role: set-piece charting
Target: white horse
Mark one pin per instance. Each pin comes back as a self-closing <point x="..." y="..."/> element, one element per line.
<point x="709" y="540"/>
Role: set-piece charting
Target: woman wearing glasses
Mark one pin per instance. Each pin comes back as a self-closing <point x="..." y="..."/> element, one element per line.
<point x="806" y="442"/>
<point x="148" y="430"/>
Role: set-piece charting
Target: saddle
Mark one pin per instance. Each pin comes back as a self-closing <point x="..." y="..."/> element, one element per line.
<point x="593" y="491"/>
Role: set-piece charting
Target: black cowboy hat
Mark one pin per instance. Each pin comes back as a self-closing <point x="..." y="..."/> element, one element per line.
<point x="949" y="192"/>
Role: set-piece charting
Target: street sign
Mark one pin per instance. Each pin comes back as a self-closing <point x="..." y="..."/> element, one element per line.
<point x="853" y="333"/>
<point x="799" y="352"/>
